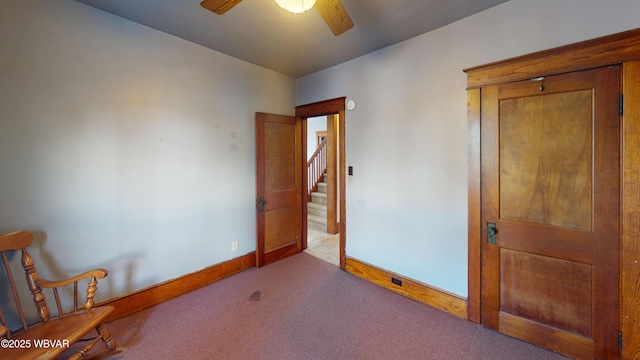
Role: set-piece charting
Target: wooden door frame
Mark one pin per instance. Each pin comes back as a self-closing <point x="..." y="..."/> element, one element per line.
<point x="622" y="48"/>
<point x="333" y="225"/>
<point x="325" y="108"/>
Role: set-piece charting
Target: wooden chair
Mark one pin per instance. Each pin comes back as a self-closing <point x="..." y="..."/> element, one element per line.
<point x="67" y="328"/>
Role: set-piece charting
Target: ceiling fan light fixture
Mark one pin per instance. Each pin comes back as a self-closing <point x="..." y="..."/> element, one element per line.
<point x="296" y="6"/>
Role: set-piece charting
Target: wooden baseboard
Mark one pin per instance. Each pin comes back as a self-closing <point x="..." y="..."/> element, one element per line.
<point x="154" y="295"/>
<point x="413" y="289"/>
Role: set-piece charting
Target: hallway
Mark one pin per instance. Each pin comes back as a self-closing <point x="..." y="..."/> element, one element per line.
<point x="323" y="246"/>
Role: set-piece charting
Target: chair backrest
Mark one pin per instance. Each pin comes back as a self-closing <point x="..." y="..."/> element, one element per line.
<point x="18" y="242"/>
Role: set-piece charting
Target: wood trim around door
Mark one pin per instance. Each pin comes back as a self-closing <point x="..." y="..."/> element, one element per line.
<point x="322" y="108"/>
<point x="332" y="173"/>
<point x="622" y="48"/>
<point x="630" y="213"/>
<point x="474" y="199"/>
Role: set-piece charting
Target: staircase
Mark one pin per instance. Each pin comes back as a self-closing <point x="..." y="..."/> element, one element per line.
<point x="317" y="207"/>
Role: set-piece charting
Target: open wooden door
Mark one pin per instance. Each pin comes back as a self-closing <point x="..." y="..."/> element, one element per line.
<point x="550" y="211"/>
<point x="278" y="187"/>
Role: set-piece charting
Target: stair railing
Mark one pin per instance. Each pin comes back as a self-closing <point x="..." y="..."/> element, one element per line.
<point x="316" y="167"/>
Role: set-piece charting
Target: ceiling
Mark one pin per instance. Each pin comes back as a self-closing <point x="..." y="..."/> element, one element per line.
<point x="260" y="32"/>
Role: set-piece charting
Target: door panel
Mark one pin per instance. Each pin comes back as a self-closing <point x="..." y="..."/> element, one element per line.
<point x="286" y="231"/>
<point x="550" y="184"/>
<point x="279" y="185"/>
<point x="565" y="302"/>
<point x="546" y="159"/>
<point x="279" y="156"/>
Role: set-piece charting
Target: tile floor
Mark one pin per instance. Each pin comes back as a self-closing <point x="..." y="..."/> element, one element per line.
<point x="323" y="246"/>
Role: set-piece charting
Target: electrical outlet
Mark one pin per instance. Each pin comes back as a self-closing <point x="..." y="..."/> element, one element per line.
<point x="396" y="281"/>
<point x="234" y="246"/>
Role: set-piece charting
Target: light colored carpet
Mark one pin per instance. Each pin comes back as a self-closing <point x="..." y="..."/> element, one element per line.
<point x="324" y="246"/>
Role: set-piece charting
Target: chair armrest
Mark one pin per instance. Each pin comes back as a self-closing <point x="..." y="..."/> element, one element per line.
<point x="92" y="275"/>
<point x="97" y="273"/>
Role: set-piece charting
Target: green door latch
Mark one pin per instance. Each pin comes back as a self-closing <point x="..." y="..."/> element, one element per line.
<point x="491" y="233"/>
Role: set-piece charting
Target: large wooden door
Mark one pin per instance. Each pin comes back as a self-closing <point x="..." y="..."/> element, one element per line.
<point x="278" y="187"/>
<point x="551" y="185"/>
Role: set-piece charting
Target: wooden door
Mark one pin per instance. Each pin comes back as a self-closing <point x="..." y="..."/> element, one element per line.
<point x="278" y="187"/>
<point x="551" y="185"/>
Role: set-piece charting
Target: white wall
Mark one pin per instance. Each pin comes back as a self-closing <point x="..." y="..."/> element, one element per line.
<point x="124" y="147"/>
<point x="314" y="124"/>
<point x="407" y="140"/>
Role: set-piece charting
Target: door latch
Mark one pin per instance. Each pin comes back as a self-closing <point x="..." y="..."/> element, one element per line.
<point x="261" y="203"/>
<point x="491" y="233"/>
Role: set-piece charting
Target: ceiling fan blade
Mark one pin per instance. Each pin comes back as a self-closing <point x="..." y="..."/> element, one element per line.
<point x="334" y="15"/>
<point x="219" y="6"/>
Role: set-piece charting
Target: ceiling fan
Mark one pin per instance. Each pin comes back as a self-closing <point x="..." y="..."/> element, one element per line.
<point x="331" y="11"/>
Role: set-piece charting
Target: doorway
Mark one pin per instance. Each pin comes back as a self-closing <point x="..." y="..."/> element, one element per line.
<point x="323" y="231"/>
<point x="334" y="113"/>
